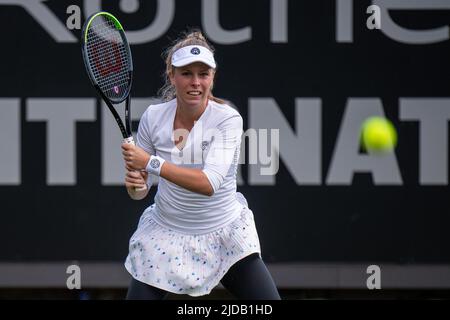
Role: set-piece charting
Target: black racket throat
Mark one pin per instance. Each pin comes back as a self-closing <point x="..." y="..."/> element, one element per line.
<point x="125" y="130"/>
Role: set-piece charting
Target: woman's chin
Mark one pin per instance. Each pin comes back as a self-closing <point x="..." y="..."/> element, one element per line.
<point x="194" y="101"/>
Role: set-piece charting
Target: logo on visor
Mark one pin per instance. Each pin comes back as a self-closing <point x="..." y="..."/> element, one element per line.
<point x="195" y="51"/>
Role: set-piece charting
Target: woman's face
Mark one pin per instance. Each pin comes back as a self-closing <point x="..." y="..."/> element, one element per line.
<point x="192" y="83"/>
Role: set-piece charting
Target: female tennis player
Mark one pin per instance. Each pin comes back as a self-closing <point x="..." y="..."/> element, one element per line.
<point x="199" y="231"/>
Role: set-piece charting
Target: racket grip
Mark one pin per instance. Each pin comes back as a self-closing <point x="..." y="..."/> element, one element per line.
<point x="130" y="140"/>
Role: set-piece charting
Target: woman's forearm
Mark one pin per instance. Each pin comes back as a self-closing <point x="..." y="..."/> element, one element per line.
<point x="191" y="179"/>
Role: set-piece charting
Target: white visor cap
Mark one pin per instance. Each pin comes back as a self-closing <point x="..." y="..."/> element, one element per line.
<point x="189" y="54"/>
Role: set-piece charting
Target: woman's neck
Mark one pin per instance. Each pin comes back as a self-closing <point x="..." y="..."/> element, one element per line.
<point x="189" y="115"/>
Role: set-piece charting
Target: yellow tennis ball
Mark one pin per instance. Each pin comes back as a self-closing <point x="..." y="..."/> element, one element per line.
<point x="378" y="134"/>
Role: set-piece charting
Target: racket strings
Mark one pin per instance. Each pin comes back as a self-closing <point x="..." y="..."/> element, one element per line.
<point x="108" y="58"/>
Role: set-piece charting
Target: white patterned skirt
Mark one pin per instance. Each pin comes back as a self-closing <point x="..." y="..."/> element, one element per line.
<point x="189" y="264"/>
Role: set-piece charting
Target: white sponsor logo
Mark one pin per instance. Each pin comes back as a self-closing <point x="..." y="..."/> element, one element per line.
<point x="211" y="16"/>
<point x="298" y="146"/>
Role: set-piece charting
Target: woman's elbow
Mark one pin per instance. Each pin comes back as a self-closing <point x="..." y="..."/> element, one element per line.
<point x="207" y="188"/>
<point x="209" y="191"/>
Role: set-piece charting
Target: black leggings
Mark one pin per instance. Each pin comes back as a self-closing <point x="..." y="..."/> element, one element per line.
<point x="247" y="279"/>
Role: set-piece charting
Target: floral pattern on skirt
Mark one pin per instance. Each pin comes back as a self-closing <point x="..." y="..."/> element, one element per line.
<point x="189" y="264"/>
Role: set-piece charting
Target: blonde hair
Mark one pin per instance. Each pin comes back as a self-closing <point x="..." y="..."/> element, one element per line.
<point x="194" y="37"/>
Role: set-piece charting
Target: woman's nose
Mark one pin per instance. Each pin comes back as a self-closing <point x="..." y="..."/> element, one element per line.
<point x="195" y="81"/>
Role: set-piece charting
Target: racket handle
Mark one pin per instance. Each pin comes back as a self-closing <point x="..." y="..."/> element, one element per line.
<point x="130" y="140"/>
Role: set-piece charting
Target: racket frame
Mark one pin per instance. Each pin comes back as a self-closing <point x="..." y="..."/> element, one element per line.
<point x="125" y="129"/>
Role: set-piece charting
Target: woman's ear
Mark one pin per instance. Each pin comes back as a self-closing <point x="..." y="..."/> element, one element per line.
<point x="213" y="73"/>
<point x="171" y="76"/>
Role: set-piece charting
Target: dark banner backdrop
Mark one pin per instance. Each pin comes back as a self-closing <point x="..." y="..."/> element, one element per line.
<point x="327" y="203"/>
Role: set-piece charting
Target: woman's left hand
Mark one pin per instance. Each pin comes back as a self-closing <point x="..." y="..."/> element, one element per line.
<point x="135" y="158"/>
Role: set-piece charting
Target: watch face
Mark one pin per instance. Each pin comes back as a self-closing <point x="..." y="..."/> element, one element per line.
<point x="154" y="163"/>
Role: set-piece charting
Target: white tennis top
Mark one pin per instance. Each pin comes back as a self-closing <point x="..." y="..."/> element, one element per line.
<point x="213" y="145"/>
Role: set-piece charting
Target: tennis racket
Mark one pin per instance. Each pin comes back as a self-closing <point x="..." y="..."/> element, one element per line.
<point x="108" y="62"/>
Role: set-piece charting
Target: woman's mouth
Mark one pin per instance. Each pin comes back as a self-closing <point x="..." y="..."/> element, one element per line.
<point x="194" y="93"/>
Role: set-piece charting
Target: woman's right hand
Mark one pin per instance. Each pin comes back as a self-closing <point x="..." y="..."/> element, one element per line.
<point x="136" y="183"/>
